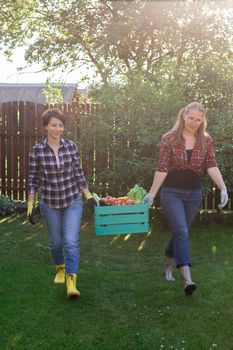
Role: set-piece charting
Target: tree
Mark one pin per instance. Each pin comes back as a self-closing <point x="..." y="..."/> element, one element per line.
<point x="52" y="93"/>
<point x="118" y="37"/>
<point x="153" y="57"/>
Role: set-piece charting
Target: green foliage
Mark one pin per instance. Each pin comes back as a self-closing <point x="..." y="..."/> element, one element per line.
<point x="134" y="115"/>
<point x="7" y="206"/>
<point x="221" y="128"/>
<point x="118" y="37"/>
<point x="52" y="93"/>
<point x="128" y="127"/>
<point x="152" y="57"/>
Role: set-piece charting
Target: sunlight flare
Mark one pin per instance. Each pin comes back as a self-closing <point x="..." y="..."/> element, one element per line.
<point x="114" y="239"/>
<point x="127" y="237"/>
<point x="142" y="245"/>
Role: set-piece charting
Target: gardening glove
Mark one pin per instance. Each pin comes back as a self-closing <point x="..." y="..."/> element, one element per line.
<point x="224" y="198"/>
<point x="30" y="212"/>
<point x="90" y="200"/>
<point x="148" y="199"/>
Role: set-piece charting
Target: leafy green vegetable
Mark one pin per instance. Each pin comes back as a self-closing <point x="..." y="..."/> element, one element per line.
<point x="137" y="193"/>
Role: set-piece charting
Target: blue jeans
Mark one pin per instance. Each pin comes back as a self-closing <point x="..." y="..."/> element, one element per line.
<point x="63" y="227"/>
<point x="180" y="207"/>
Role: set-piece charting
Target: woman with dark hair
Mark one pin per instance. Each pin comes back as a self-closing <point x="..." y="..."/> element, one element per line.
<point x="55" y="168"/>
<point x="186" y="152"/>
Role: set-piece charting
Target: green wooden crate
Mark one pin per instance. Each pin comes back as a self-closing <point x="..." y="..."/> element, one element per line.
<point x="122" y="219"/>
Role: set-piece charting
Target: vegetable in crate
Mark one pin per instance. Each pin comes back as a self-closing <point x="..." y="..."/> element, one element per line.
<point x="137" y="193"/>
<point x="113" y="201"/>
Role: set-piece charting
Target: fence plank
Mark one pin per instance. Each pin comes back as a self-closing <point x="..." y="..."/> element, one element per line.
<point x="40" y="132"/>
<point x="21" y="128"/>
<point x="22" y="150"/>
<point x="15" y="150"/>
<point x="3" y="150"/>
<point x="9" y="160"/>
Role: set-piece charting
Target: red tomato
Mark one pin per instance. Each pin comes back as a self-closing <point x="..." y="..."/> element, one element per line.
<point x="129" y="202"/>
<point x="112" y="200"/>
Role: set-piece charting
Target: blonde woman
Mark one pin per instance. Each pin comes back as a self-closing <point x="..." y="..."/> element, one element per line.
<point x="186" y="152"/>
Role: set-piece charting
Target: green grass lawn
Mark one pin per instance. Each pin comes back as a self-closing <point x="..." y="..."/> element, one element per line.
<point x="125" y="302"/>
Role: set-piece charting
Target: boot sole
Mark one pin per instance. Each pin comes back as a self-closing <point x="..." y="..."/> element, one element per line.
<point x="190" y="289"/>
<point x="73" y="295"/>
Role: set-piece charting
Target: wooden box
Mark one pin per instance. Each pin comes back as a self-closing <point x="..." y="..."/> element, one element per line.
<point x="122" y="219"/>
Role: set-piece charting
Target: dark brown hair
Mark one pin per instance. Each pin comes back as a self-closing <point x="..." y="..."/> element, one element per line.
<point x="52" y="112"/>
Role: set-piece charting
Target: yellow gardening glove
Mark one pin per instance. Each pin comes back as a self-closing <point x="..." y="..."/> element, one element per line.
<point x="30" y="212"/>
<point x="30" y="207"/>
<point x="90" y="200"/>
<point x="88" y="195"/>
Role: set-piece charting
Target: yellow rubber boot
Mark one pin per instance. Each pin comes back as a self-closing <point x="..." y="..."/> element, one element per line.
<point x="71" y="286"/>
<point x="60" y="274"/>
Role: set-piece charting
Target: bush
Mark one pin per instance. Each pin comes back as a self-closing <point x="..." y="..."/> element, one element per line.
<point x="7" y="206"/>
<point x="125" y="131"/>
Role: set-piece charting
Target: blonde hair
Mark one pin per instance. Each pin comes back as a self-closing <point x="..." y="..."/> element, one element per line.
<point x="178" y="128"/>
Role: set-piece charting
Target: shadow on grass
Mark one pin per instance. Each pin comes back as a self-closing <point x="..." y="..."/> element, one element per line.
<point x="125" y="302"/>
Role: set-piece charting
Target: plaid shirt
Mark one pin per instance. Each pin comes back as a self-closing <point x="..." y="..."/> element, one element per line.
<point x="174" y="157"/>
<point x="60" y="186"/>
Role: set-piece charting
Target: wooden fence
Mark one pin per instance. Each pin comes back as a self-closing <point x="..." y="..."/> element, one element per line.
<point x="20" y="129"/>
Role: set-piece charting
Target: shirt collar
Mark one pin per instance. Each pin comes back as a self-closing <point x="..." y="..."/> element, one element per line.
<point x="63" y="143"/>
<point x="195" y="144"/>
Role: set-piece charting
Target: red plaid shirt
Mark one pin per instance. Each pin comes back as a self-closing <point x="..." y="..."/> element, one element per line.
<point x="174" y="157"/>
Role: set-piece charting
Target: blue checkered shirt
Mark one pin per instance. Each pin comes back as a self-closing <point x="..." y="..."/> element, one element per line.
<point x="60" y="185"/>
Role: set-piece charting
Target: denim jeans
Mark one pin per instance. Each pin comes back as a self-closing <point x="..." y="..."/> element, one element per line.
<point x="63" y="227"/>
<point x="180" y="207"/>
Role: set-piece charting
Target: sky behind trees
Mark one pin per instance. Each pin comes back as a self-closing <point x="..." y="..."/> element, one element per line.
<point x="9" y="73"/>
<point x="113" y="39"/>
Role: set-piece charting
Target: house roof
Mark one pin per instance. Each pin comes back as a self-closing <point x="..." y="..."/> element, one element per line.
<point x="34" y="92"/>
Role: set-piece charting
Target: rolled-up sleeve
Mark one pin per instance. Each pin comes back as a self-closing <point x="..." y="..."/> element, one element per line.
<point x="164" y="156"/>
<point x="210" y="161"/>
<point x="34" y="173"/>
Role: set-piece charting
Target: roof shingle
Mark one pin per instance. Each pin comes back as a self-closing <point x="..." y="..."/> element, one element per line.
<point x="34" y="92"/>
